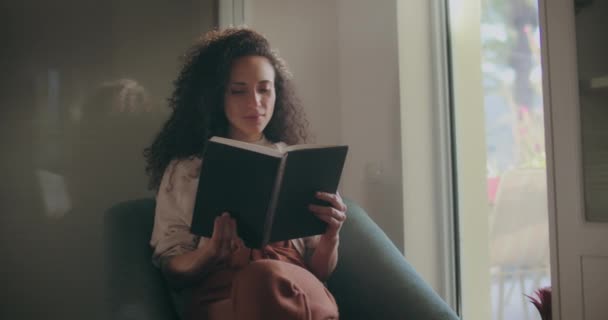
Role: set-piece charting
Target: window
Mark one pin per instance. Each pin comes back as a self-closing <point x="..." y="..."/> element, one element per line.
<point x="500" y="158"/>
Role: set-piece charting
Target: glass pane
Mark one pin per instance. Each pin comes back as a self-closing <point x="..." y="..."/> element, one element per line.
<point x="592" y="50"/>
<point x="500" y="137"/>
<point x="84" y="85"/>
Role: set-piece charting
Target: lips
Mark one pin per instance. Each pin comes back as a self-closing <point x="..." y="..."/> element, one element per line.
<point x="254" y="117"/>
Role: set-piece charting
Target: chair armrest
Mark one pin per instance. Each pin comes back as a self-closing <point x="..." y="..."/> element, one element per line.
<point x="374" y="281"/>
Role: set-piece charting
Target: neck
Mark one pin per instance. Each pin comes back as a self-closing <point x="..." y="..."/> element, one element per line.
<point x="250" y="139"/>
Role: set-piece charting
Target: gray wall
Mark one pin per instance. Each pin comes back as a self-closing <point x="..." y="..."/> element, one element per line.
<point x="64" y="160"/>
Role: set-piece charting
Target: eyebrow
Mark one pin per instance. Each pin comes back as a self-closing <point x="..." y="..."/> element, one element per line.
<point x="244" y="84"/>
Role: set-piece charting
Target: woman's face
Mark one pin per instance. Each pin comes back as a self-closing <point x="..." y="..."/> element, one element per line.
<point x="249" y="98"/>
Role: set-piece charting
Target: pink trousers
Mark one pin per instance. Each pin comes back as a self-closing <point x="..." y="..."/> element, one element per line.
<point x="271" y="289"/>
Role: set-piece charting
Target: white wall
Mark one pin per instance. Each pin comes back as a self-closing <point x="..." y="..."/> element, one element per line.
<point x="304" y="34"/>
<point x="343" y="55"/>
<point x="369" y="93"/>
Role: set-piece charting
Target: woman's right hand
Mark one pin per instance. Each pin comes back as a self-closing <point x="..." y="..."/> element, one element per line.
<point x="224" y="240"/>
<point x="191" y="266"/>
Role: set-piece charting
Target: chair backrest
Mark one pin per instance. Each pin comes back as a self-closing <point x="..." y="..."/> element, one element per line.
<point x="135" y="287"/>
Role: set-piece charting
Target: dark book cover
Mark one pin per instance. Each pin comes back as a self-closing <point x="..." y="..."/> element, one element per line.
<point x="239" y="182"/>
<point x="267" y="191"/>
<point x="306" y="172"/>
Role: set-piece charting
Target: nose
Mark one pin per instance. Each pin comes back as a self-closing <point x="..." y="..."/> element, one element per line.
<point x="254" y="100"/>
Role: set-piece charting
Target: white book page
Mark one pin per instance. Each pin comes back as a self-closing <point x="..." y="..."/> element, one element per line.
<point x="307" y="146"/>
<point x="270" y="151"/>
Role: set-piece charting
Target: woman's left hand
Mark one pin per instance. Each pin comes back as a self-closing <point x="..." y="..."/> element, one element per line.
<point x="334" y="215"/>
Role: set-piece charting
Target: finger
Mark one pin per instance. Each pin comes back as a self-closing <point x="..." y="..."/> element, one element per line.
<point x="343" y="206"/>
<point x="328" y="219"/>
<point x="334" y="199"/>
<point x="333" y="225"/>
<point x="218" y="228"/>
<point x="232" y="225"/>
<point x="240" y="242"/>
<point x="227" y="226"/>
<point x="222" y="226"/>
<point x="328" y="211"/>
<point x="217" y="237"/>
<point x="226" y="232"/>
<point x="234" y="238"/>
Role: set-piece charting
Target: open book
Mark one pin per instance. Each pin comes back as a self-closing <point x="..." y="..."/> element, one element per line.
<point x="266" y="190"/>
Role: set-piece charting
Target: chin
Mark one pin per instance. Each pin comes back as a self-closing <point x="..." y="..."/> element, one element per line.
<point x="255" y="131"/>
<point x="252" y="130"/>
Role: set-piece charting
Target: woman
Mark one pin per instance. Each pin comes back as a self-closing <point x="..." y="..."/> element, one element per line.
<point x="233" y="85"/>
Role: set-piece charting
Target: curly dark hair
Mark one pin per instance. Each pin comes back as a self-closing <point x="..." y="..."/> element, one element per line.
<point x="197" y="101"/>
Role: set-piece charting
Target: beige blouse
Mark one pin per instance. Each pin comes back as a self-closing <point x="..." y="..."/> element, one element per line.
<point x="174" y="205"/>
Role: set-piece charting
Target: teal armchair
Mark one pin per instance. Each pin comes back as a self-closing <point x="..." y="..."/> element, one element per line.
<point x="372" y="280"/>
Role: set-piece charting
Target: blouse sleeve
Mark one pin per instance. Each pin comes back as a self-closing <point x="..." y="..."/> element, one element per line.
<point x="310" y="244"/>
<point x="173" y="215"/>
